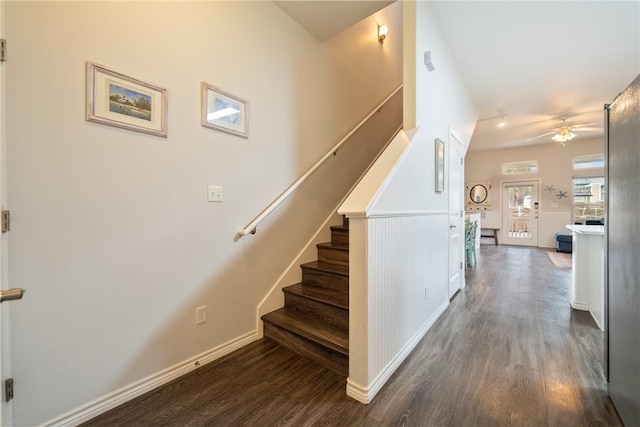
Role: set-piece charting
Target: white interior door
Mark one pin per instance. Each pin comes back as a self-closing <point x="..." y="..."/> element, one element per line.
<point x="520" y="212"/>
<point x="456" y="215"/>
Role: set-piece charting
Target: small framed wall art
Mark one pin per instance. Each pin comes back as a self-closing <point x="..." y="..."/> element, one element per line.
<point x="116" y="99"/>
<point x="224" y="112"/>
<point x="439" y="165"/>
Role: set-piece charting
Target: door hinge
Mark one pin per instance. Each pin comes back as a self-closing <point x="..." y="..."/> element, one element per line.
<point x="6" y="221"/>
<point x="460" y="265"/>
<point x="3" y="50"/>
<point x="8" y="389"/>
<point x="462" y="160"/>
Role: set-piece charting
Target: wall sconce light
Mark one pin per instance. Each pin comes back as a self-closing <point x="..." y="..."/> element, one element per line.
<point x="502" y="123"/>
<point x="382" y="33"/>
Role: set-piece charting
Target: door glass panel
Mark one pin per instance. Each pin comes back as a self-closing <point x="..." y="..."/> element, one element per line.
<point x="520" y="212"/>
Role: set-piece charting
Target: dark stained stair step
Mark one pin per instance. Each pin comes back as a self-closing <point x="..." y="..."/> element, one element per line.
<point x="315" y="319"/>
<point x="310" y="337"/>
<point x="310" y="328"/>
<point x="340" y="236"/>
<point x="324" y="356"/>
<point x="329" y="254"/>
<point x="326" y="296"/>
<point x="329" y="276"/>
<point x="328" y="305"/>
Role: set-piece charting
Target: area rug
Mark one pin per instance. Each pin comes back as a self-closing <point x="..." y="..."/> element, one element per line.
<point x="560" y="259"/>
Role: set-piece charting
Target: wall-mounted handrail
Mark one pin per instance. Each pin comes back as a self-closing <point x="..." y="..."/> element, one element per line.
<point x="252" y="226"/>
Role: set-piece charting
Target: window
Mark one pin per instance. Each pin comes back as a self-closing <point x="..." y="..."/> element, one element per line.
<point x="588" y="200"/>
<point x="591" y="161"/>
<point x="518" y="168"/>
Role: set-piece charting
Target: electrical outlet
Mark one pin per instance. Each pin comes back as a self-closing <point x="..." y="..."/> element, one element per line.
<point x="201" y="314"/>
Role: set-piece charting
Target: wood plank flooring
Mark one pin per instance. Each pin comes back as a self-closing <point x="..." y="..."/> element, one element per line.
<point x="508" y="351"/>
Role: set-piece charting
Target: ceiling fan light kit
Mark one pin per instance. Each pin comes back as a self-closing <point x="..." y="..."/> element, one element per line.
<point x="563" y="135"/>
<point x="565" y="132"/>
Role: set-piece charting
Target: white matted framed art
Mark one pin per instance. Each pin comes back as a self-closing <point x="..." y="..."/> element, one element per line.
<point x="439" y="165"/>
<point x="224" y="112"/>
<point x="116" y="99"/>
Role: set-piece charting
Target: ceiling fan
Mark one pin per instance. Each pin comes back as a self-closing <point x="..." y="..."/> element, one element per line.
<point x="565" y="132"/>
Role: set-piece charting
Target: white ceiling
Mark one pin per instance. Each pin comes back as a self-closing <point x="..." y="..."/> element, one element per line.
<point x="538" y="61"/>
<point x="325" y="18"/>
<point x="534" y="61"/>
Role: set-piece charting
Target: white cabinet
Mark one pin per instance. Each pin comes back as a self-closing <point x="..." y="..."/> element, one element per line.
<point x="587" y="278"/>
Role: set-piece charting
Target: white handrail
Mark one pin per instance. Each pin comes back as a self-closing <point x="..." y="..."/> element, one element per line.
<point x="251" y="227"/>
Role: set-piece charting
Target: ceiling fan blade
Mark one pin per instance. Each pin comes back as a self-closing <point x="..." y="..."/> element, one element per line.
<point x="540" y="136"/>
<point x="589" y="130"/>
<point x="583" y="125"/>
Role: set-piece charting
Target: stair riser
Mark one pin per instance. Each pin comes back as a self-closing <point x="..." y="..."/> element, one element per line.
<point x="327" y="313"/>
<point x="333" y="256"/>
<point x="333" y="360"/>
<point x="325" y="280"/>
<point x="340" y="238"/>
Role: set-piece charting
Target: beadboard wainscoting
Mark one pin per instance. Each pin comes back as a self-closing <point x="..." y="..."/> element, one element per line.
<point x="399" y="261"/>
<point x="398" y="289"/>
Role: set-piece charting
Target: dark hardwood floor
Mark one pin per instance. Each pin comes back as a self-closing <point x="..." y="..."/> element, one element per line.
<point x="508" y="351"/>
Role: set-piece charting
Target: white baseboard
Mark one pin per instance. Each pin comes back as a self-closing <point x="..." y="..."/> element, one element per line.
<point x="118" y="397"/>
<point x="366" y="394"/>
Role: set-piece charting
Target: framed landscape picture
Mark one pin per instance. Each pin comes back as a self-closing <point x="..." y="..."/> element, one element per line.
<point x="116" y="99"/>
<point x="223" y="111"/>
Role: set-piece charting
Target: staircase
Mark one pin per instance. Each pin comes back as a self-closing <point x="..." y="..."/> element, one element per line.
<point x="315" y="319"/>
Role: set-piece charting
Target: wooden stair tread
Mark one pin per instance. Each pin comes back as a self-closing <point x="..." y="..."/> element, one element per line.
<point x="310" y="328"/>
<point x="329" y="268"/>
<point x="315" y="319"/>
<point x="328" y="245"/>
<point x="327" y="296"/>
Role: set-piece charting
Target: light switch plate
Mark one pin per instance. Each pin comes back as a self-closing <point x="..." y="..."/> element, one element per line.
<point x="214" y="193"/>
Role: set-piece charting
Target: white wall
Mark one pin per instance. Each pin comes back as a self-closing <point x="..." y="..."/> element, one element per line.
<point x="440" y="100"/>
<point x="397" y="288"/>
<point x="112" y="235"/>
<point x="398" y="238"/>
<point x="555" y="169"/>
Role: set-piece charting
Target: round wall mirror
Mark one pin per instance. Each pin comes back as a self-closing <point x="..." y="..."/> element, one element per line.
<point x="478" y="193"/>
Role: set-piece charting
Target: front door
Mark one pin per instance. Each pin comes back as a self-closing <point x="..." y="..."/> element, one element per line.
<point x="456" y="226"/>
<point x="520" y="211"/>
